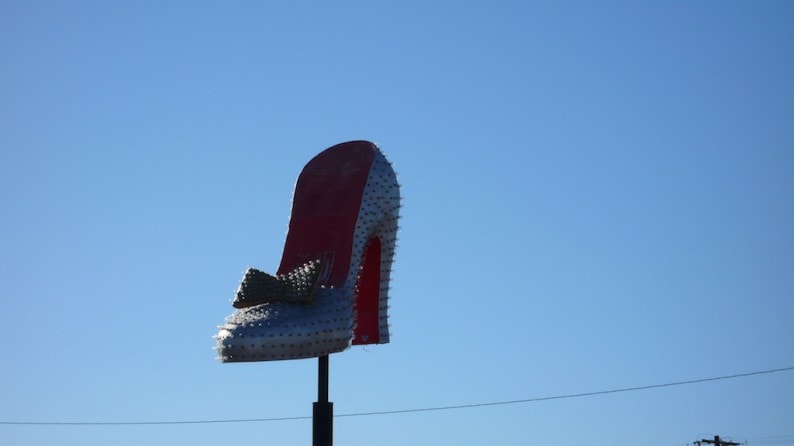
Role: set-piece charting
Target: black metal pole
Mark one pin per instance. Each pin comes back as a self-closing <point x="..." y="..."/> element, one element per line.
<point x="323" y="410"/>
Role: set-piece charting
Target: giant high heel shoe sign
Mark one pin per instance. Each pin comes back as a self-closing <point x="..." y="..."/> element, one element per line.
<point x="331" y="289"/>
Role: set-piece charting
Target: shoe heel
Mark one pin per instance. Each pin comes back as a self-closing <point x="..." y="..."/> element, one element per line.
<point x="372" y="286"/>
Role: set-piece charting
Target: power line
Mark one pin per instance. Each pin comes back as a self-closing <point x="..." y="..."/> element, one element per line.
<point x="399" y="411"/>
<point x="778" y="440"/>
<point x="572" y="395"/>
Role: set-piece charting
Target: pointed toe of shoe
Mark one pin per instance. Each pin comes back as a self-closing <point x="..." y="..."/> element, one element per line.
<point x="279" y="331"/>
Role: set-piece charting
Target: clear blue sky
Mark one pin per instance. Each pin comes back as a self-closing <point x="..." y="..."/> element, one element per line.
<point x="597" y="196"/>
